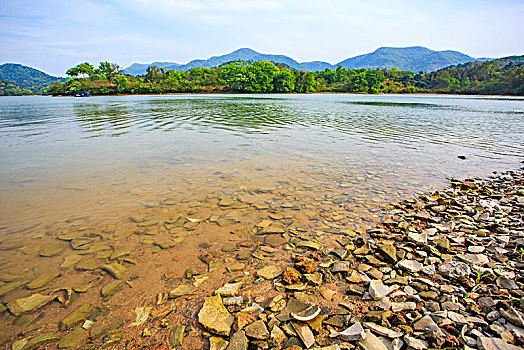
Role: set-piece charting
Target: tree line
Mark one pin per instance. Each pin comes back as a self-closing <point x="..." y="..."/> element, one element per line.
<point x="502" y="76"/>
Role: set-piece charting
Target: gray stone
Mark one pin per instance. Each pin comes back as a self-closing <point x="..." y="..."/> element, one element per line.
<point x="371" y="342"/>
<point x="354" y="332"/>
<point x="454" y="269"/>
<point x="485" y="343"/>
<point x="386" y="332"/>
<point x="416" y="344"/>
<point x="425" y="322"/>
<point x="377" y="289"/>
<point x="410" y="265"/>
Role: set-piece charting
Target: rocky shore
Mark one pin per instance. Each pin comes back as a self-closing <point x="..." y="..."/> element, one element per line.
<point x="442" y="271"/>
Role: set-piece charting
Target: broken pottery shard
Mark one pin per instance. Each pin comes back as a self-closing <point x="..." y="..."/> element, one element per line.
<point x="355" y="332"/>
<point x="386" y="332"/>
<point x="371" y="342"/>
<point x="214" y="317"/>
<point x="307" y="314"/>
<point x="305" y="334"/>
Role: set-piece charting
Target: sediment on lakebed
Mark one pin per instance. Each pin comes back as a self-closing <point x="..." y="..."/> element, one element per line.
<point x="444" y="270"/>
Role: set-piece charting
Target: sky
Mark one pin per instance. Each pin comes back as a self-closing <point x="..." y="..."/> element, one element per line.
<point x="53" y="35"/>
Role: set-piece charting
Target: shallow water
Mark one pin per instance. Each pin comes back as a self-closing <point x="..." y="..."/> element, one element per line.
<point x="326" y="163"/>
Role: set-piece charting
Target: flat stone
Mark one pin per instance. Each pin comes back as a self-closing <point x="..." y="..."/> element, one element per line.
<point x="229" y="289"/>
<point x="386" y="332"/>
<point x="398" y="307"/>
<point x="88" y="265"/>
<point x="76" y="317"/>
<point x="42" y="280"/>
<point x="142" y="314"/>
<point x="257" y="330"/>
<point x="388" y="251"/>
<point x="269" y="272"/>
<point x="238" y="341"/>
<point x="30" y="303"/>
<point x="485" y="343"/>
<point x="474" y="259"/>
<point x="70" y="261"/>
<point x="506" y="283"/>
<point x="40" y="340"/>
<point x="53" y="249"/>
<point x="236" y="267"/>
<point x="456" y="317"/>
<point x="214" y="317"/>
<point x="410" y="265"/>
<point x="114" y="269"/>
<point x="73" y="338"/>
<point x="217" y="343"/>
<point x="304" y="333"/>
<point x="275" y="240"/>
<point x="117" y="254"/>
<point x="454" y="269"/>
<point x="378" y="290"/>
<point x="111" y="288"/>
<point x="341" y="266"/>
<point x="309" y="245"/>
<point x="415" y="343"/>
<point x="277" y="335"/>
<point x="415" y="237"/>
<point x="176" y="335"/>
<point x="425" y="322"/>
<point x="181" y="290"/>
<point x="371" y="342"/>
<point x="354" y="332"/>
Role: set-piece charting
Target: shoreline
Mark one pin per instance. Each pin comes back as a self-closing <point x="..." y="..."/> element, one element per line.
<point x="441" y="271"/>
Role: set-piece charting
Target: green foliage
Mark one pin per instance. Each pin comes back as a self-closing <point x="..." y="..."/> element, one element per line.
<point x="83" y="69"/>
<point x="10" y="89"/>
<point x="500" y="76"/>
<point x="27" y="77"/>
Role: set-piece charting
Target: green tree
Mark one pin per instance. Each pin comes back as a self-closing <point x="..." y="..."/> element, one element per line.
<point x="121" y="83"/>
<point x="85" y="69"/>
<point x="284" y="81"/>
<point x="108" y="70"/>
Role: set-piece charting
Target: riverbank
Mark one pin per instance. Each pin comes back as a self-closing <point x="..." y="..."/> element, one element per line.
<point x="444" y="270"/>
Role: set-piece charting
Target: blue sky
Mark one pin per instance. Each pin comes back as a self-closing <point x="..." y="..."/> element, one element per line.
<point x="53" y="35"/>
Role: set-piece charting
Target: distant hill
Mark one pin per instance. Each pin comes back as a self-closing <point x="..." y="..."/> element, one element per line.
<point x="414" y="59"/>
<point x="141" y="68"/>
<point x="27" y="77"/>
<point x="11" y="89"/>
<point x="503" y="76"/>
<point x="244" y="54"/>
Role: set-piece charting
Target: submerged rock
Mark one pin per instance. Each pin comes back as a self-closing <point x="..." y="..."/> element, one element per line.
<point x="214" y="317"/>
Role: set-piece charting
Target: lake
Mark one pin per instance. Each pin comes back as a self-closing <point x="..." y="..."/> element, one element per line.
<point x="150" y="180"/>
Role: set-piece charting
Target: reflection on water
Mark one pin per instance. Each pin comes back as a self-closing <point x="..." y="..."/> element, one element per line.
<point x="157" y="176"/>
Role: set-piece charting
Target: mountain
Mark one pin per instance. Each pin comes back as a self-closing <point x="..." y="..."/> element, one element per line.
<point x="141" y="68"/>
<point x="27" y="77"/>
<point x="243" y="54"/>
<point x="415" y="59"/>
<point x="11" y="89"/>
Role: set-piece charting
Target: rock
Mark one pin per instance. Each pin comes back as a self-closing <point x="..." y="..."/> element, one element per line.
<point x="238" y="341"/>
<point x="304" y="333"/>
<point x="257" y="330"/>
<point x="442" y="244"/>
<point x="386" y="332"/>
<point x="9" y="287"/>
<point x="215" y="318"/>
<point x="30" y="303"/>
<point x="291" y="275"/>
<point x="314" y="278"/>
<point x="42" y="280"/>
<point x="87" y="265"/>
<point x="242" y="319"/>
<point x="388" y="251"/>
<point x="310" y="245"/>
<point x="506" y="283"/>
<point x="142" y="314"/>
<point x="73" y="338"/>
<point x="415" y="237"/>
<point x="371" y="342"/>
<point x="456" y="317"/>
<point x="454" y="269"/>
<point x="277" y="335"/>
<point x="40" y="340"/>
<point x="354" y="332"/>
<point x="425" y="322"/>
<point x="114" y="269"/>
<point x="410" y="265"/>
<point x="398" y="307"/>
<point x="341" y="266"/>
<point x="75" y="318"/>
<point x="378" y="290"/>
<point x="217" y="343"/>
<point x="269" y="272"/>
<point x="485" y="343"/>
<point x="181" y="290"/>
<point x="229" y="289"/>
<point x="53" y="249"/>
<point x="415" y="344"/>
<point x="236" y="267"/>
<point x="474" y="259"/>
<point x="111" y="288"/>
<point x="176" y="335"/>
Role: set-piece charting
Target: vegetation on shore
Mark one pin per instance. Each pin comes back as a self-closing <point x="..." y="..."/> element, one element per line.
<point x="502" y="76"/>
<point x="11" y="89"/>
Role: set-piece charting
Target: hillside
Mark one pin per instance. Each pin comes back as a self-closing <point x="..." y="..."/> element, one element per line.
<point x="27" y="77"/>
<point x="504" y="76"/>
<point x="11" y="89"/>
<point x="244" y="54"/>
<point x="414" y="59"/>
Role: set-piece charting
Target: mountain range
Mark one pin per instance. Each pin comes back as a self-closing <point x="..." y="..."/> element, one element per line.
<point x="415" y="59"/>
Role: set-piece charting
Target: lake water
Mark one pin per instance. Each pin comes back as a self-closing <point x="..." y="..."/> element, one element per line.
<point x="130" y="173"/>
